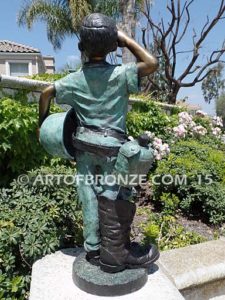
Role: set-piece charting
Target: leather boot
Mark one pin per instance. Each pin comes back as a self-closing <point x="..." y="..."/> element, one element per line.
<point x="93" y="257"/>
<point x="116" y="252"/>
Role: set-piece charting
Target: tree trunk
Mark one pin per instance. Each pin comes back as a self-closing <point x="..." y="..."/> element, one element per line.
<point x="172" y="97"/>
<point x="129" y="19"/>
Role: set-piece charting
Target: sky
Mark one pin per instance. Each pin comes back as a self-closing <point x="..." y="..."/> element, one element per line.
<point x="69" y="53"/>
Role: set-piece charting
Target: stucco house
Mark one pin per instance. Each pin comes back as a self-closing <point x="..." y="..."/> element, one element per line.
<point x="21" y="60"/>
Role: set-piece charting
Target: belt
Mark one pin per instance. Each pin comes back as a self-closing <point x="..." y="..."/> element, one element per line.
<point x="104" y="131"/>
<point x="95" y="149"/>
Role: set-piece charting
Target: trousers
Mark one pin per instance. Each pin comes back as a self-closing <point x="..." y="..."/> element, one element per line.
<point x="94" y="178"/>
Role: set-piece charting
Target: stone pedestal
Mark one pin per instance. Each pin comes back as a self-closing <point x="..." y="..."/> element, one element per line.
<point x="52" y="280"/>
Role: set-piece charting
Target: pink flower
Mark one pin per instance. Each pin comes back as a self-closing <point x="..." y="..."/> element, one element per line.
<point x="201" y="113"/>
<point x="192" y="124"/>
<point x="166" y="149"/>
<point x="216" y="131"/>
<point x="158" y="156"/>
<point x="184" y="118"/>
<point x="150" y="134"/>
<point x="180" y="131"/>
<point x="160" y="150"/>
<point x="157" y="143"/>
<point x="200" y="130"/>
<point x="155" y="152"/>
<point x="217" y="121"/>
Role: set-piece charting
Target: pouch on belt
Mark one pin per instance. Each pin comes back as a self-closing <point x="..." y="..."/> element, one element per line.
<point x="135" y="158"/>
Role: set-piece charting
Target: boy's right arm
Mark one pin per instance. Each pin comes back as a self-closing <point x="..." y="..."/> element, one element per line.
<point x="147" y="62"/>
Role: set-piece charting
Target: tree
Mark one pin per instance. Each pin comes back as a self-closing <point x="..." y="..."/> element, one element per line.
<point x="214" y="84"/>
<point x="128" y="12"/>
<point x="63" y="17"/>
<point x="220" y="107"/>
<point x="56" y="14"/>
<point x="167" y="38"/>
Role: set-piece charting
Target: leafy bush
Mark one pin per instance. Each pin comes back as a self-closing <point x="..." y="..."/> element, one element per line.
<point x="148" y="116"/>
<point x="48" y="77"/>
<point x="170" y="203"/>
<point x="212" y="142"/>
<point x="167" y="233"/>
<point x="202" y="192"/>
<point x="19" y="148"/>
<point x="36" y="219"/>
<point x="205" y="122"/>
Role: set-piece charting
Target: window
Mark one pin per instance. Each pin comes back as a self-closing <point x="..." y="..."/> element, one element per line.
<point x="19" y="69"/>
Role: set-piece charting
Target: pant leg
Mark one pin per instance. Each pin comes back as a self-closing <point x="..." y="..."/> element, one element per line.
<point x="111" y="190"/>
<point x="88" y="198"/>
<point x="91" y="164"/>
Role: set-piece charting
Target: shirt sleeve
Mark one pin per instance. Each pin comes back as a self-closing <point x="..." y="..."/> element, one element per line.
<point x="132" y="78"/>
<point x="64" y="90"/>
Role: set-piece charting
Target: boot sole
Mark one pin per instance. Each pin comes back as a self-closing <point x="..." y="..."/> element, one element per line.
<point x="115" y="269"/>
<point x="145" y="265"/>
<point x="111" y="269"/>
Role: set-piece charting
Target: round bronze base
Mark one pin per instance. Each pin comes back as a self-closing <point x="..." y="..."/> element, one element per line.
<point x="93" y="280"/>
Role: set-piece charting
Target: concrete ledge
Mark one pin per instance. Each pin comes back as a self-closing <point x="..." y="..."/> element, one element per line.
<point x="214" y="290"/>
<point x="197" y="270"/>
<point x="52" y="279"/>
<point x="195" y="265"/>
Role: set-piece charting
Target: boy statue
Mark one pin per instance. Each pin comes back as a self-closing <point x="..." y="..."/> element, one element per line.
<point x="99" y="93"/>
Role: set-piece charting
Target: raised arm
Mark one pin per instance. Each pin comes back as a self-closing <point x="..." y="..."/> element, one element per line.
<point x="147" y="63"/>
<point x="44" y="103"/>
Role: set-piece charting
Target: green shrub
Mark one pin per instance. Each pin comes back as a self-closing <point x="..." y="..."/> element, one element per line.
<point x="19" y="148"/>
<point x="205" y="202"/>
<point x="48" y="77"/>
<point x="147" y="116"/>
<point x="170" y="203"/>
<point x="167" y="233"/>
<point x="203" y="121"/>
<point x="202" y="193"/>
<point x="213" y="142"/>
<point x="35" y="220"/>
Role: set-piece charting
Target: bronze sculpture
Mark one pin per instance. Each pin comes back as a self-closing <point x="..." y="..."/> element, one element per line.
<point x="98" y="93"/>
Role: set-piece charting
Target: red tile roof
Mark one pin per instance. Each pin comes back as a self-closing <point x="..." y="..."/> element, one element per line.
<point x="12" y="47"/>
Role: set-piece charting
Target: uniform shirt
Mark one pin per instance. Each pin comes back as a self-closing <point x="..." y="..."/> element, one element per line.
<point x="99" y="94"/>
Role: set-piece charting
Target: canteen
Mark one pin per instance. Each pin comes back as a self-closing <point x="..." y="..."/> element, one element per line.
<point x="134" y="160"/>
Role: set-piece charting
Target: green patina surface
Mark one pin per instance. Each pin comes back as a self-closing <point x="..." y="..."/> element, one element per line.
<point x="93" y="274"/>
<point x="99" y="94"/>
